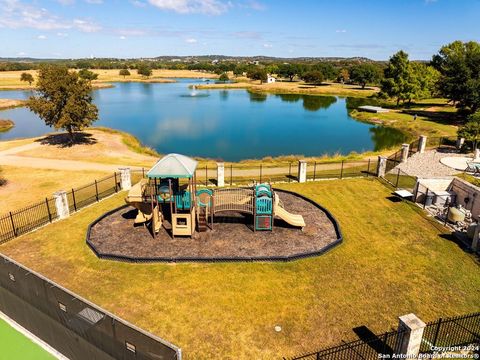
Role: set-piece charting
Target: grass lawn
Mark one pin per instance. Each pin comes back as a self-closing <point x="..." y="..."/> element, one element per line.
<point x="26" y="186"/>
<point x="15" y="345"/>
<point x="434" y="118"/>
<point x="393" y="261"/>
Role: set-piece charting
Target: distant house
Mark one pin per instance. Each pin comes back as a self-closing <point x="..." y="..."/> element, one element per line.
<point x="270" y="79"/>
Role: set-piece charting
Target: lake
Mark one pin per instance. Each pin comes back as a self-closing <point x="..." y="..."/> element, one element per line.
<point x="222" y="124"/>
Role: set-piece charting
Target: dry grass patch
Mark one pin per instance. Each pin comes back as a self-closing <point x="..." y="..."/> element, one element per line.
<point x="10" y="103"/>
<point x="26" y="186"/>
<point x="393" y="261"/>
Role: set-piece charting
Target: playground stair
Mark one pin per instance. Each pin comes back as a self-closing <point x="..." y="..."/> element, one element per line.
<point x="202" y="220"/>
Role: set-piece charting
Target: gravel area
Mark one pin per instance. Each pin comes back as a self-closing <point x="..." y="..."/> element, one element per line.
<point x="232" y="237"/>
<point x="428" y="164"/>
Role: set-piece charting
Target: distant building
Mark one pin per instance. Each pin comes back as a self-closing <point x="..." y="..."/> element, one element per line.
<point x="270" y="79"/>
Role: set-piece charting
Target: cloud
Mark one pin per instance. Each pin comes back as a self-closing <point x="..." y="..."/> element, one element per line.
<point x="122" y="37"/>
<point x="341" y="31"/>
<point x="41" y="37"/>
<point x="191" y="41"/>
<point x="86" y="26"/>
<point x="96" y="2"/>
<point x="21" y="53"/>
<point x="14" y="14"/>
<point x="62" y="34"/>
<point x="267" y="46"/>
<point x="254" y="5"/>
<point x="210" y="7"/>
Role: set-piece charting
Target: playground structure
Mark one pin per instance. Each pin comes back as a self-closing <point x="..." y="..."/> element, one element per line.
<point x="169" y="195"/>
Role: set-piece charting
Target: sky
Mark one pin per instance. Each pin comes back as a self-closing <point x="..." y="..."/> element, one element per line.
<point x="284" y="28"/>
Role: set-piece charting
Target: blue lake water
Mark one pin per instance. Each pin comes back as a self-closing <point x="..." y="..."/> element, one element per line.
<point x="222" y="124"/>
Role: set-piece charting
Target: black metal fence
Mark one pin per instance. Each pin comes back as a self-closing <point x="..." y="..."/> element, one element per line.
<point x="442" y="333"/>
<point x="235" y="174"/>
<point x="441" y="141"/>
<point x="400" y="179"/>
<point x="368" y="348"/>
<point x="24" y="220"/>
<point x="70" y="324"/>
<point x="455" y="331"/>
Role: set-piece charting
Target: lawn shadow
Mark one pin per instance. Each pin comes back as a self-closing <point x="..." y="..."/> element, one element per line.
<point x="462" y="241"/>
<point x="63" y="140"/>
<point x="372" y="340"/>
<point x="441" y="117"/>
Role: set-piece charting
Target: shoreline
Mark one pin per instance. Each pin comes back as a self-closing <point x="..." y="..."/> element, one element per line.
<point x="6" y="125"/>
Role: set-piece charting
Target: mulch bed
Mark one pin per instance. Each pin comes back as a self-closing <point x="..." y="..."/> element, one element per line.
<point x="232" y="236"/>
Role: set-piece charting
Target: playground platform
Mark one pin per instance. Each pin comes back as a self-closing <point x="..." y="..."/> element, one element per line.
<point x="113" y="236"/>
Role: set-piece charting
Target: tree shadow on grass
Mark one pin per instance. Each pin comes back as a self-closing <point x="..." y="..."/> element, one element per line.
<point x="441" y="117"/>
<point x="462" y="241"/>
<point x="63" y="140"/>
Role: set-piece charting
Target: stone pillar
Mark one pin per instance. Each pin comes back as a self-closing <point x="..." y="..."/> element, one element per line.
<point x="405" y="150"/>
<point x="476" y="236"/>
<point x="381" y="166"/>
<point x="302" y="171"/>
<point x="125" y="178"/>
<point x="460" y="142"/>
<point x="221" y="174"/>
<point x="412" y="328"/>
<point x="61" y="204"/>
<point x="422" y="143"/>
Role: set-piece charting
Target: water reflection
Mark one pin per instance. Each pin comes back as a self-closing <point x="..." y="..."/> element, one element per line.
<point x="224" y="95"/>
<point x="310" y="102"/>
<point x="257" y="97"/>
<point x="386" y="137"/>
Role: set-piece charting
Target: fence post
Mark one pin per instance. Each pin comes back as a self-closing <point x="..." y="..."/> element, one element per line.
<point x="314" y="171"/>
<point x="460" y="142"/>
<point x="341" y="170"/>
<point x="221" y="174"/>
<point x="289" y="172"/>
<point x="398" y="176"/>
<point x="61" y="204"/>
<point x="411" y="328"/>
<point x="143" y="172"/>
<point x="13" y="225"/>
<point x="437" y="331"/>
<point x="116" y="183"/>
<point x="422" y="144"/>
<point x="476" y="236"/>
<point x="125" y="178"/>
<point x="368" y="168"/>
<point x="96" y="190"/>
<point x="382" y="166"/>
<point x="48" y="210"/>
<point x="405" y="150"/>
<point x="302" y="171"/>
<point x="74" y="201"/>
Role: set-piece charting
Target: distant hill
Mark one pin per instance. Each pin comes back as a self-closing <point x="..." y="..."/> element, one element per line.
<point x="201" y="58"/>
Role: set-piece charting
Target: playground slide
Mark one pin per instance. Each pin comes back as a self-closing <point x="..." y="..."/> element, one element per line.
<point x="134" y="198"/>
<point x="292" y="219"/>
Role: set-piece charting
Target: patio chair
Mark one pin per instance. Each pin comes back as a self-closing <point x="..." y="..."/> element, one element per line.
<point x="473" y="167"/>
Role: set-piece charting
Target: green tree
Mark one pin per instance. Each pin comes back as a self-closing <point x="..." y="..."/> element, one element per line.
<point x="124" y="73"/>
<point x="258" y="74"/>
<point x="364" y="74"/>
<point x="425" y="79"/>
<point x="459" y="66"/>
<point x="63" y="100"/>
<point x="328" y="70"/>
<point x="27" y="78"/>
<point x="288" y="71"/>
<point x="314" y="77"/>
<point x="399" y="79"/>
<point x="471" y="130"/>
<point x="87" y="75"/>
<point x="343" y="75"/>
<point x="144" y="70"/>
<point x="224" y="77"/>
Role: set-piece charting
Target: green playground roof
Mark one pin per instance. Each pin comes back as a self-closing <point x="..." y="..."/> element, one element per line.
<point x="173" y="166"/>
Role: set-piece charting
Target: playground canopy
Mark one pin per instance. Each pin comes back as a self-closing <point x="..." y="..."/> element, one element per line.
<point x="173" y="166"/>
